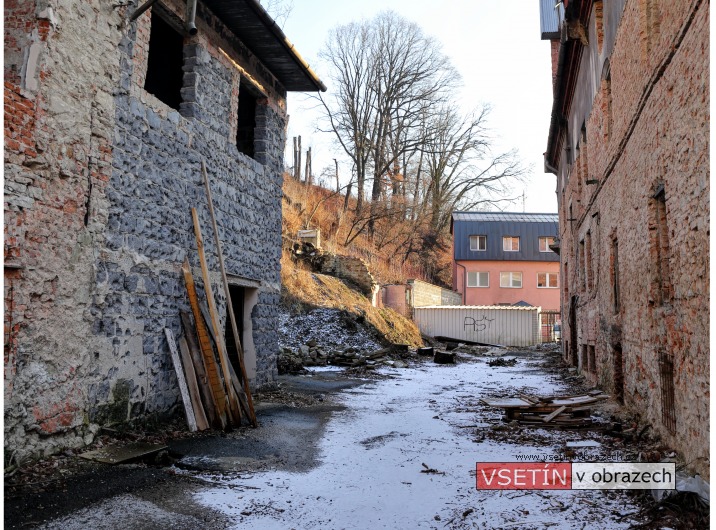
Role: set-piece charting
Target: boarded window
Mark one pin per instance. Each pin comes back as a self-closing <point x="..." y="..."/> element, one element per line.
<point x="668" y="406"/>
<point x="164" y="63"/>
<point x="615" y="275"/>
<point x="660" y="245"/>
<point x="478" y="279"/>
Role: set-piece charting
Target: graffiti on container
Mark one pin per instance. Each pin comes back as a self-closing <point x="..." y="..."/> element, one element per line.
<point x="479" y="324"/>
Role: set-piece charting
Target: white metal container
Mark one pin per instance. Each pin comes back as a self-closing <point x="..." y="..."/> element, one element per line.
<point x="504" y="325"/>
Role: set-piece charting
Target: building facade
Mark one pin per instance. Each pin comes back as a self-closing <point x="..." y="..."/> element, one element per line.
<point x="108" y="119"/>
<point x="505" y="259"/>
<point x="629" y="144"/>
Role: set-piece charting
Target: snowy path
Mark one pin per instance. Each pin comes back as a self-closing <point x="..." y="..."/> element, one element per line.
<point x="372" y="455"/>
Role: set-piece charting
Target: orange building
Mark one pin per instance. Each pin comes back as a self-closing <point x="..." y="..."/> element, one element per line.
<point x="505" y="259"/>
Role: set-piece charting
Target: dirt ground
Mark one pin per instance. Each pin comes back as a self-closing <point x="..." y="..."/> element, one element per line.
<point x="392" y="448"/>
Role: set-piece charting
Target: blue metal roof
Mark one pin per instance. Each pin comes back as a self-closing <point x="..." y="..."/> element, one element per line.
<point x="529" y="227"/>
<point x="551" y="13"/>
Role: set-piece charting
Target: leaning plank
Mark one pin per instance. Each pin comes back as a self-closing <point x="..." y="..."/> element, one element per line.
<point x="202" y="378"/>
<point x="229" y="305"/>
<point x="234" y="407"/>
<point x="201" y="422"/>
<point x="188" y="407"/>
<point x="554" y="414"/>
<point x="217" y="387"/>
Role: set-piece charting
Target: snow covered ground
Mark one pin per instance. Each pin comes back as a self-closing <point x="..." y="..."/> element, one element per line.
<point x="372" y="454"/>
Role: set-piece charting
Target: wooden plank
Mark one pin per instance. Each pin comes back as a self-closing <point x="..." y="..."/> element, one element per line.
<point x="508" y="403"/>
<point x="202" y="379"/>
<point x="201" y="422"/>
<point x="229" y="305"/>
<point x="212" y="372"/>
<point x="234" y="407"/>
<point x="128" y="453"/>
<point x="188" y="407"/>
<point x="554" y="414"/>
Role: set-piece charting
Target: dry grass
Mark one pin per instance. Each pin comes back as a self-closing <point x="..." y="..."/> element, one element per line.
<point x="302" y="290"/>
<point x="315" y="207"/>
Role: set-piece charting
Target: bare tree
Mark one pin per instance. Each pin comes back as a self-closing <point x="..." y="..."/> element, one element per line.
<point x="460" y="169"/>
<point x="386" y="75"/>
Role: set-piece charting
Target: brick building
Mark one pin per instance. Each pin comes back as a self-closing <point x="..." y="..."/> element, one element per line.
<point x="502" y="258"/>
<point x="629" y="144"/>
<point x="107" y="120"/>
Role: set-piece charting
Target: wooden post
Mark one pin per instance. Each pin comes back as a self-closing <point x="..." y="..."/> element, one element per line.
<point x="201" y="422"/>
<point x="309" y="177"/>
<point x="298" y="161"/>
<point x="186" y="399"/>
<point x="234" y="407"/>
<point x="295" y="159"/>
<point x="202" y="377"/>
<point x="229" y="305"/>
<point x="217" y="388"/>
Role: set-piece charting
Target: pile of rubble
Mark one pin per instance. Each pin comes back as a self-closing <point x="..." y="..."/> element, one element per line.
<point x="293" y="361"/>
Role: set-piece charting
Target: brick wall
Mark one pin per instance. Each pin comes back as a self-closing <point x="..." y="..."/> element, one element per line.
<point x="99" y="179"/>
<point x="639" y="263"/>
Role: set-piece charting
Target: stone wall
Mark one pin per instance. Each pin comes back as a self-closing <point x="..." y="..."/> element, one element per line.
<point x="635" y="261"/>
<point x="100" y="178"/>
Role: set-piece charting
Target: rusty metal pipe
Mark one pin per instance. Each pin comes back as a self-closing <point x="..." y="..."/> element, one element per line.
<point x="141" y="10"/>
<point x="190" y="22"/>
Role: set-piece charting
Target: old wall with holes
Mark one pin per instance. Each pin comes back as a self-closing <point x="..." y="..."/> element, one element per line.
<point x="100" y="178"/>
<point x="633" y="195"/>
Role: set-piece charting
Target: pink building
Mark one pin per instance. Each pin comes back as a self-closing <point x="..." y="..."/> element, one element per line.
<point x="505" y="259"/>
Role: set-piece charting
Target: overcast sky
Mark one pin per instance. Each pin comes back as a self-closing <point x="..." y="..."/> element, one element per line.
<point x="495" y="46"/>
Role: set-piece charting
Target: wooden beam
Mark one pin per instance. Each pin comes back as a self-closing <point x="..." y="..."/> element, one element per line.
<point x="229" y="305"/>
<point x="201" y="422"/>
<point x="202" y="379"/>
<point x="207" y="352"/>
<point x="234" y="407"/>
<point x="188" y="407"/>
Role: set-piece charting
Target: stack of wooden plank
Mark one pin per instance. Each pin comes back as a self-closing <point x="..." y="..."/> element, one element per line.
<point x="560" y="411"/>
<point x="212" y="392"/>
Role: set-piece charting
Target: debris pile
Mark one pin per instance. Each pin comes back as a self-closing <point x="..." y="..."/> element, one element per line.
<point x="562" y="411"/>
<point x="293" y="361"/>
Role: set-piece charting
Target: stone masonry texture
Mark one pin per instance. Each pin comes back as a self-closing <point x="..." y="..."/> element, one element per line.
<point x="633" y="190"/>
<point x="100" y="177"/>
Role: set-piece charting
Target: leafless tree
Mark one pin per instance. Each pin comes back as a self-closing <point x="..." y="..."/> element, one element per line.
<point x="460" y="169"/>
<point x="386" y="74"/>
<point x="279" y="10"/>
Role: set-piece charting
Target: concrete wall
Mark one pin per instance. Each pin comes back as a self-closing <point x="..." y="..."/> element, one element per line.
<point x="424" y="294"/>
<point x="547" y="298"/>
<point x="642" y="102"/>
<point x="100" y="176"/>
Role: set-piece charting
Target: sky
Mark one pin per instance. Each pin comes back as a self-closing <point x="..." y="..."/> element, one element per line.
<point x="494" y="45"/>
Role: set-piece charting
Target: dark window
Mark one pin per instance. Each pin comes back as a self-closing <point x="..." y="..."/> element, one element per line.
<point x="618" y="373"/>
<point x="615" y="274"/>
<point x="661" y="246"/>
<point x="246" y="121"/>
<point x="668" y="407"/>
<point x="585" y="358"/>
<point x="164" y="64"/>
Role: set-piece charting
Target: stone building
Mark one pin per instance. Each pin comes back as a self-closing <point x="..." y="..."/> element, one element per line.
<point x="107" y="121"/>
<point x="629" y="144"/>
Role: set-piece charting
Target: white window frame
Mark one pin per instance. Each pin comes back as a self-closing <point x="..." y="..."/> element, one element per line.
<point x="477" y="277"/>
<point x="511" y="239"/>
<point x="547" y="275"/>
<point x="477" y="239"/>
<point x="545" y="238"/>
<point x="512" y="277"/>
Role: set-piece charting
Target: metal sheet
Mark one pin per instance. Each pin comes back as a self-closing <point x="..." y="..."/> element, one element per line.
<point x="509" y="326"/>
